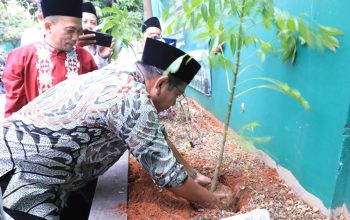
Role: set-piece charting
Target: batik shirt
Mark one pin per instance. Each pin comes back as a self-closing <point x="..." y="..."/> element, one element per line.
<point x="74" y="132"/>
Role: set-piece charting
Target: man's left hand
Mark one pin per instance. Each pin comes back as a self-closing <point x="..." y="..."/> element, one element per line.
<point x="105" y="52"/>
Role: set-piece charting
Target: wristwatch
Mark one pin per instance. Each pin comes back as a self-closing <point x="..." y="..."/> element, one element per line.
<point x="194" y="174"/>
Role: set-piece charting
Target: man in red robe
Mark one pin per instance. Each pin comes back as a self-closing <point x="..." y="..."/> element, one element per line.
<point x="32" y="69"/>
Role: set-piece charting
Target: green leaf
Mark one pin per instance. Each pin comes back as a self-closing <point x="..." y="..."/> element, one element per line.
<point x="204" y="12"/>
<point x="195" y="3"/>
<point x="248" y="127"/>
<point x="256" y="140"/>
<point x="306" y="33"/>
<point x="193" y="21"/>
<point x="202" y="36"/>
<point x="174" y="66"/>
<point x="331" y="43"/>
<point x="111" y="10"/>
<point x="265" y="46"/>
<point x="169" y="28"/>
<point x="289" y="50"/>
<point x="233" y="44"/>
<point x="221" y="60"/>
<point x="292" y="25"/>
<point x="108" y="25"/>
<point x="211" y="24"/>
<point x="229" y="64"/>
<point x="284" y="88"/>
<point x="186" y="8"/>
<point x="221" y="5"/>
<point x="276" y="85"/>
<point x="262" y="55"/>
<point x="243" y="70"/>
<point x="330" y="30"/>
<point x="233" y="7"/>
<point x="267" y="23"/>
<point x="212" y="8"/>
<point x="213" y="63"/>
<point x="302" y="40"/>
<point x="249" y="39"/>
<point x="214" y="43"/>
<point x="166" y="14"/>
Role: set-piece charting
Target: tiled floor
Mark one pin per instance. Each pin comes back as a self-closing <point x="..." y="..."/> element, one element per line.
<point x="112" y="192"/>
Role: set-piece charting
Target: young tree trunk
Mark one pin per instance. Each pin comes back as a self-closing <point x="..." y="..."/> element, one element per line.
<point x="147" y="9"/>
<point x="232" y="95"/>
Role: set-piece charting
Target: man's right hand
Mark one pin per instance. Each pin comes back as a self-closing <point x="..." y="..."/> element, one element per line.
<point x="202" y="180"/>
<point x="226" y="197"/>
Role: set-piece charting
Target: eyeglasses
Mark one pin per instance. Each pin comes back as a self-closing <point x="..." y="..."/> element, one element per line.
<point x="181" y="96"/>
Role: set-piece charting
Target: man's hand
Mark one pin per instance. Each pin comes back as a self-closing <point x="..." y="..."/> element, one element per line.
<point x="226" y="197"/>
<point x="105" y="52"/>
<point x="202" y="180"/>
<point x="86" y="39"/>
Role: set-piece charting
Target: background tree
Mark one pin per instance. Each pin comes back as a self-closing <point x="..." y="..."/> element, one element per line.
<point x="13" y="20"/>
<point x="133" y="7"/>
<point x="28" y="5"/>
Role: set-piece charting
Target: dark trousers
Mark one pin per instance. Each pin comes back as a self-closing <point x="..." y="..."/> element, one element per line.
<point x="77" y="207"/>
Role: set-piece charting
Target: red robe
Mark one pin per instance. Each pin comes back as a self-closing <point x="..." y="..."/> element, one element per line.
<point x="32" y="69"/>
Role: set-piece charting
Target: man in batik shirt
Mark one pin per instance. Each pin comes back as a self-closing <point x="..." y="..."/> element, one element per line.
<point x="32" y="69"/>
<point x="75" y="131"/>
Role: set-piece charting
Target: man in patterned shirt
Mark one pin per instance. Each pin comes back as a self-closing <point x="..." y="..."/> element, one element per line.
<point x="75" y="131"/>
<point x="32" y="69"/>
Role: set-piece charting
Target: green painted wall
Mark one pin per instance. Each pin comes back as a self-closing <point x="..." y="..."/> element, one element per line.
<point x="342" y="192"/>
<point x="309" y="144"/>
<point x="346" y="164"/>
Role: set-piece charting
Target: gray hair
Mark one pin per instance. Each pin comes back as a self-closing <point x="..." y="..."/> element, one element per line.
<point x="151" y="72"/>
<point x="53" y="18"/>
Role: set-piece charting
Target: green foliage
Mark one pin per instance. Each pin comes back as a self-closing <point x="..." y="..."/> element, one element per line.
<point x="247" y="16"/>
<point x="233" y="24"/>
<point x="246" y="141"/>
<point x="13" y="22"/>
<point x="134" y="7"/>
<point x="130" y="5"/>
<point x="101" y="3"/>
<point x="123" y="25"/>
<point x="275" y="85"/>
<point x="290" y="30"/>
<point x="28" y="5"/>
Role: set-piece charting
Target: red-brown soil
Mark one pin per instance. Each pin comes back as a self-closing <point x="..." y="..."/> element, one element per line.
<point x="255" y="184"/>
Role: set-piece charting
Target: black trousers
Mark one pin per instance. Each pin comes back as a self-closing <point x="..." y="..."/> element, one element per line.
<point x="77" y="207"/>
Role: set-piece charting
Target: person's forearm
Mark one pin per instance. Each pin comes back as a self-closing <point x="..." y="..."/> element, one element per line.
<point x="196" y="193"/>
<point x="179" y="158"/>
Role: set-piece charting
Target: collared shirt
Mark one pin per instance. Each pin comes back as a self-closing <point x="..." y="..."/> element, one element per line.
<point x="75" y="131"/>
<point x="32" y="69"/>
<point x="100" y="62"/>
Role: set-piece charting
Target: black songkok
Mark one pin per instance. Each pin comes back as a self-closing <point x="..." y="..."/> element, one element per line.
<point x="89" y="8"/>
<point x="72" y="8"/>
<point x="162" y="55"/>
<point x="151" y="22"/>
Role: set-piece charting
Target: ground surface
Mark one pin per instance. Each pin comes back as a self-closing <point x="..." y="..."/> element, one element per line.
<point x="255" y="184"/>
